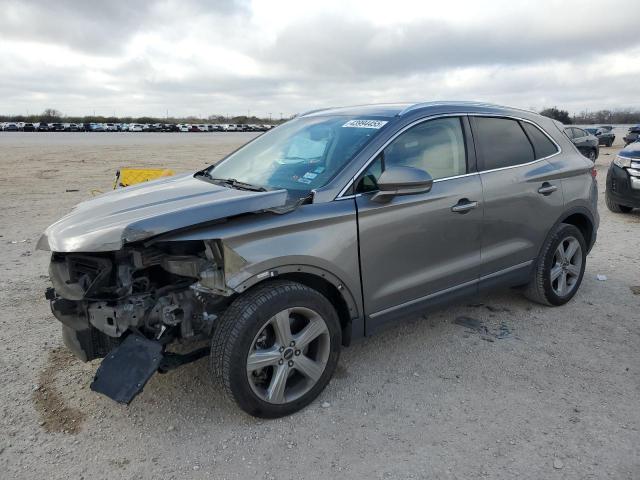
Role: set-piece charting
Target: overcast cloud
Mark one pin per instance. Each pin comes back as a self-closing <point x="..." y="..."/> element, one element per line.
<point x="206" y="57"/>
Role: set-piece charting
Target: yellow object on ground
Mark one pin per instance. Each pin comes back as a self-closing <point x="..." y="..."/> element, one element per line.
<point x="130" y="176"/>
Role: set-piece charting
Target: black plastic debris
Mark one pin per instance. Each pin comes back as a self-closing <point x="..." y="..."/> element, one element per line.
<point x="127" y="368"/>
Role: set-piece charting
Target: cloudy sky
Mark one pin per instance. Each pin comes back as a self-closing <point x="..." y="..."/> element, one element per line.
<point x="203" y="57"/>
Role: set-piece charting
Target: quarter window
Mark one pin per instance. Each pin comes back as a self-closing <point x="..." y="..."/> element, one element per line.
<point x="436" y="146"/>
<point x="542" y="145"/>
<point x="502" y="143"/>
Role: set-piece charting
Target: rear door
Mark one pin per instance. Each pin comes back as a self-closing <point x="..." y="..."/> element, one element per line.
<point x="522" y="196"/>
<point x="418" y="247"/>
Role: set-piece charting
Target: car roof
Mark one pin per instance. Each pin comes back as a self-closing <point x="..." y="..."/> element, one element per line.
<point x="400" y="109"/>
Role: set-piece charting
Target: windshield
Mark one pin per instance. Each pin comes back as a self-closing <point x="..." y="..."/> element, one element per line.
<point x="300" y="155"/>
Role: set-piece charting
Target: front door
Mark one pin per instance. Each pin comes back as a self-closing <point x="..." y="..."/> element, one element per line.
<point x="417" y="248"/>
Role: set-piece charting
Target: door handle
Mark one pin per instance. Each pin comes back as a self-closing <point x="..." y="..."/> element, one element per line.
<point x="464" y="205"/>
<point x="547" y="189"/>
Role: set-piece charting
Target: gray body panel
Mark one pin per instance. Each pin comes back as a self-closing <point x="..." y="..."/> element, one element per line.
<point x="321" y="238"/>
<point x="517" y="218"/>
<point x="135" y="213"/>
<point x="415" y="245"/>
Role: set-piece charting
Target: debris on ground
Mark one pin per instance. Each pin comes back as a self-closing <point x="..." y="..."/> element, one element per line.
<point x="602" y="278"/>
<point x="69" y="190"/>
<point x="17" y="241"/>
<point x="635" y="289"/>
<point x="477" y="326"/>
<point x="325" y="405"/>
<point x="557" y="464"/>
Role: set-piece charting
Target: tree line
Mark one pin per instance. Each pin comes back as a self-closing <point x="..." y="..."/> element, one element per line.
<point x="51" y="115"/>
<point x="599" y="116"/>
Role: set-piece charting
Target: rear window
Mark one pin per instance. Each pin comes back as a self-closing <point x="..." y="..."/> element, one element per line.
<point x="542" y="145"/>
<point x="502" y="143"/>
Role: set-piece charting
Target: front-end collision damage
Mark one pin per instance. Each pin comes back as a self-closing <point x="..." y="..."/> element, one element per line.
<point x="162" y="294"/>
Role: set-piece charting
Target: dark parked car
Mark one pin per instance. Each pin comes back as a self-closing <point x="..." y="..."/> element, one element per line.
<point x="604" y="137"/>
<point x="169" y="127"/>
<point x="10" y="127"/>
<point x="318" y="232"/>
<point x="623" y="180"/>
<point x="607" y="128"/>
<point x="56" y="127"/>
<point x="584" y="141"/>
<point x="43" y="127"/>
<point x="28" y="127"/>
<point x="633" y="135"/>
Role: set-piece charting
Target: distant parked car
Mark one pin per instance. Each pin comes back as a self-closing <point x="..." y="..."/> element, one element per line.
<point x="215" y="128"/>
<point x="170" y="127"/>
<point x="183" y="127"/>
<point x="136" y="127"/>
<point x="56" y="127"/>
<point x="42" y="127"/>
<point x="96" y="127"/>
<point x="72" y="127"/>
<point x="607" y="128"/>
<point x="10" y="127"/>
<point x="28" y="127"/>
<point x="622" y="193"/>
<point x="584" y="141"/>
<point x="604" y="137"/>
<point x="633" y="135"/>
<point x="110" y="127"/>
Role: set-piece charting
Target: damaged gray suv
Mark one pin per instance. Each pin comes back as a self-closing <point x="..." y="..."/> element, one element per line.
<point x="321" y="231"/>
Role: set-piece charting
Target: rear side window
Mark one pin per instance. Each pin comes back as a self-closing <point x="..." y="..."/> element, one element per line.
<point x="502" y="142"/>
<point x="542" y="145"/>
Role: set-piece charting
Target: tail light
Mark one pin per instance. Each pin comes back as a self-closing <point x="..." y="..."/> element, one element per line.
<point x="594" y="173"/>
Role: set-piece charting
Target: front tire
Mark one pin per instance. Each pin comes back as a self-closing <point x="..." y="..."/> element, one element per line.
<point x="275" y="348"/>
<point x="591" y="155"/>
<point x="559" y="269"/>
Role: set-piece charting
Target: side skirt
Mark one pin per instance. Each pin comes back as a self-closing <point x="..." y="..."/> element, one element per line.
<point x="510" y="277"/>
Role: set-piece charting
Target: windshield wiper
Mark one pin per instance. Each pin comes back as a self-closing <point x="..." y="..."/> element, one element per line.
<point x="232" y="182"/>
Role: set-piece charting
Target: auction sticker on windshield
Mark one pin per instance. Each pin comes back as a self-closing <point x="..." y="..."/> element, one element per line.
<point x="365" y="124"/>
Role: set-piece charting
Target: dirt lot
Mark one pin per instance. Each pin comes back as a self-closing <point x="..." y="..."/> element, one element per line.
<point x="539" y="393"/>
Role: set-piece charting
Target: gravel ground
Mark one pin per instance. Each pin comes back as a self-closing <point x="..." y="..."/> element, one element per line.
<point x="515" y="390"/>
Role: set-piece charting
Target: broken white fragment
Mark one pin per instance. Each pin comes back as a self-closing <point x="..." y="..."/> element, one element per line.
<point x="601" y="277"/>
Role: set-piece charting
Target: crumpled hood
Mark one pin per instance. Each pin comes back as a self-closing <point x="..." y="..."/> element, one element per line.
<point x="107" y="222"/>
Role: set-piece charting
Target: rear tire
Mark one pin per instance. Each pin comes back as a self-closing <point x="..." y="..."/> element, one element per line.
<point x="592" y="155"/>
<point x="615" y="207"/>
<point x="270" y="326"/>
<point x="557" y="276"/>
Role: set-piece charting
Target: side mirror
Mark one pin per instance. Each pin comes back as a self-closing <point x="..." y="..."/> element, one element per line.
<point x="402" y="181"/>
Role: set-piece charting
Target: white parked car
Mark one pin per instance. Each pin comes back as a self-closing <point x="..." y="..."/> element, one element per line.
<point x="136" y="127"/>
<point x="184" y="127"/>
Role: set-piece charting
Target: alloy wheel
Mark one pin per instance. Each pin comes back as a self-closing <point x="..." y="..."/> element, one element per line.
<point x="566" y="266"/>
<point x="288" y="355"/>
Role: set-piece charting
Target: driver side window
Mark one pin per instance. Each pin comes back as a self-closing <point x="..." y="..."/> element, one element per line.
<point x="436" y="146"/>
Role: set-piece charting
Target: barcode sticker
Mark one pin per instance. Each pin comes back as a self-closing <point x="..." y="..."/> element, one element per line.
<point x="376" y="124"/>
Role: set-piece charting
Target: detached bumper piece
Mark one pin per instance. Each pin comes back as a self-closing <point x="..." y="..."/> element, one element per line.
<point x="126" y="369"/>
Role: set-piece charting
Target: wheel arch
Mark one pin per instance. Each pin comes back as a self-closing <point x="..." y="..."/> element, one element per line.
<point x="582" y="218"/>
<point x="327" y="284"/>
